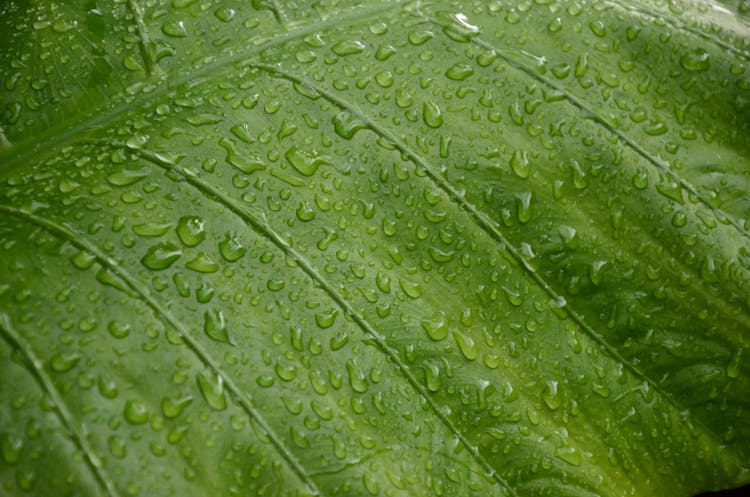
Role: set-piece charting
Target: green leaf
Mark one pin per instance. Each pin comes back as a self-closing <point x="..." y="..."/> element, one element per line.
<point x="374" y="248"/>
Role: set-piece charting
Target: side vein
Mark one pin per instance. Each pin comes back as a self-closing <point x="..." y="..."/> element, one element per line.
<point x="257" y="223"/>
<point x="79" y="241"/>
<point x="144" y="42"/>
<point x="36" y="369"/>
<point x="581" y="105"/>
<point x="488" y="226"/>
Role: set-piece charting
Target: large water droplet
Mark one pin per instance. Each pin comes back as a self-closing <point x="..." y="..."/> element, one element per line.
<point x="520" y="164"/>
<point x="136" y="412"/>
<point x="357" y="379"/>
<point x="161" y="256"/>
<point x="306" y="163"/>
<point x="697" y="60"/>
<point x="432" y="114"/>
<point x="215" y="326"/>
<point x="191" y="230"/>
<point x="212" y="388"/>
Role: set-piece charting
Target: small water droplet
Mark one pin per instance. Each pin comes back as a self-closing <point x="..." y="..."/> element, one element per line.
<point x="436" y="327"/>
<point x="175" y="29"/>
<point x="520" y="164"/>
<point x="135" y="412"/>
<point x="432" y="114"/>
<point x="733" y="368"/>
<point x="231" y="247"/>
<point x="191" y="230"/>
<point x="459" y="72"/>
<point x="215" y="326"/>
<point x="11" y="447"/>
<point x="161" y="256"/>
<point x="467" y="345"/>
<point x="568" y="454"/>
<point x="202" y="263"/>
<point x="326" y="319"/>
<point x="64" y="362"/>
<point x="346" y="124"/>
<point x="698" y="60"/>
<point x="348" y="47"/>
<point x="151" y="229"/>
<point x="410" y="288"/>
<point x="550" y="395"/>
<point x="212" y="388"/>
<point x="357" y="379"/>
<point x="523" y="207"/>
<point x="117" y="446"/>
<point x="306" y="163"/>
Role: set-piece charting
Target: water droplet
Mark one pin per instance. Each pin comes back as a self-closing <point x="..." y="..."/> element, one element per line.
<point x="550" y="395"/>
<point x="117" y="446"/>
<point x="346" y="124"/>
<point x="135" y="412"/>
<point x="126" y="177"/>
<point x="175" y="29"/>
<point x="519" y="162"/>
<point x="286" y="372"/>
<point x="432" y="375"/>
<point x="212" y="388"/>
<point x="151" y="229"/>
<point x="410" y="288"/>
<point x="306" y="163"/>
<point x="83" y="260"/>
<point x="191" y="230"/>
<point x="215" y="326"/>
<point x="568" y="454"/>
<point x="348" y="47"/>
<point x="173" y="406"/>
<point x="640" y="179"/>
<point x="384" y="79"/>
<point x="11" y="447"/>
<point x="231" y="247"/>
<point x="436" y="327"/>
<point x="161" y="256"/>
<point x="733" y="368"/>
<point x="432" y="114"/>
<point x="357" y="379"/>
<point x="118" y="329"/>
<point x="523" y="207"/>
<point x="326" y="319"/>
<point x="697" y="60"/>
<point x="64" y="362"/>
<point x="202" y="263"/>
<point x="467" y="345"/>
<point x="459" y="72"/>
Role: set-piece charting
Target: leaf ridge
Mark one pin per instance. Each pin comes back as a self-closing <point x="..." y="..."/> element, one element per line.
<point x="676" y="23"/>
<point x="18" y="154"/>
<point x="144" y="40"/>
<point x="263" y="228"/>
<point x="78" y="240"/>
<point x="599" y="119"/>
<point x="36" y="369"/>
<point x="491" y="228"/>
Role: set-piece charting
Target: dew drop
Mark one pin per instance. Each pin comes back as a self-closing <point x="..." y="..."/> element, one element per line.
<point x="211" y="387"/>
<point x="202" y="263"/>
<point x="432" y="114"/>
<point x="231" y="247"/>
<point x="467" y="345"/>
<point x="568" y="454"/>
<point x="459" y="72"/>
<point x="733" y="368"/>
<point x="151" y="229"/>
<point x="305" y="162"/>
<point x="550" y="395"/>
<point x="64" y="362"/>
<point x="519" y="162"/>
<point x="697" y="60"/>
<point x="11" y="447"/>
<point x="436" y="327"/>
<point x="175" y="29"/>
<point x="215" y="326"/>
<point x="135" y="412"/>
<point x="357" y="379"/>
<point x="346" y="125"/>
<point x="348" y="47"/>
<point x="191" y="230"/>
<point x="326" y="319"/>
<point x="161" y="256"/>
<point x="410" y="288"/>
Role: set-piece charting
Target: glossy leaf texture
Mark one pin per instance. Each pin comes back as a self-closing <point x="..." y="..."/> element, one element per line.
<point x="293" y="248"/>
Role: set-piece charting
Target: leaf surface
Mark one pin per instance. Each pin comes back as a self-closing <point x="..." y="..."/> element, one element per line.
<point x="362" y="248"/>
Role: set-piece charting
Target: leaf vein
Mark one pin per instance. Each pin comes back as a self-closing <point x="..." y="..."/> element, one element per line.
<point x="78" y="240"/>
<point x="36" y="369"/>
